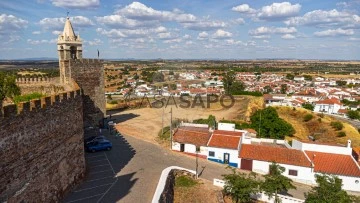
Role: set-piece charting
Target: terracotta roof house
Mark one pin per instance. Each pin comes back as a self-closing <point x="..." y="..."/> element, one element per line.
<point x="331" y="106"/>
<point x="336" y="164"/>
<point x="191" y="140"/>
<point x="223" y="147"/>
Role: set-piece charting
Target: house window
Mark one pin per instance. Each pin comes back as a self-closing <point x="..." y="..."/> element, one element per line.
<point x="197" y="148"/>
<point x="211" y="153"/>
<point x="293" y="172"/>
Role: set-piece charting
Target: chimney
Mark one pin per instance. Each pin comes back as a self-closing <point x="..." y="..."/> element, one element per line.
<point x="349" y="144"/>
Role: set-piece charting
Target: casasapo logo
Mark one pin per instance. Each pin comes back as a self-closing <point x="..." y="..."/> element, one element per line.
<point x="182" y="101"/>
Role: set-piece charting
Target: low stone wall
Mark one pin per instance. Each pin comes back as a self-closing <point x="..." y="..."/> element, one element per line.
<point x="165" y="189"/>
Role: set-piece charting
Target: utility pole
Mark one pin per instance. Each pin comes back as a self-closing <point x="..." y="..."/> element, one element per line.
<point x="162" y="122"/>
<point x="197" y="164"/>
<point x="171" y="128"/>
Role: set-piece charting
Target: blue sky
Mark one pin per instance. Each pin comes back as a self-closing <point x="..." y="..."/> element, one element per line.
<point x="186" y="29"/>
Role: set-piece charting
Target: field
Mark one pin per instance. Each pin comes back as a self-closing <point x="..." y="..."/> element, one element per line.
<point x="146" y="122"/>
<point x="318" y="127"/>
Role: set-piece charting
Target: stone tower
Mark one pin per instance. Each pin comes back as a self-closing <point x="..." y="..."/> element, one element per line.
<point x="88" y="74"/>
<point x="69" y="46"/>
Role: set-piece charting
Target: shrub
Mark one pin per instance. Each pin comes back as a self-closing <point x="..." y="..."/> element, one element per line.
<point x="113" y="102"/>
<point x="321" y="115"/>
<point x="319" y="119"/>
<point x="28" y="97"/>
<point x="185" y="181"/>
<point x="337" y="125"/>
<point x="341" y="134"/>
<point x="308" y="117"/>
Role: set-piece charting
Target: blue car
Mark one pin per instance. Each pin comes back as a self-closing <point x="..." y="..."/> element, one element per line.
<point x="99" y="145"/>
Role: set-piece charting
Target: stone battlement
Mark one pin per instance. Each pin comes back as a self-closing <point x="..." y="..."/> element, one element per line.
<point x="34" y="105"/>
<point x="33" y="80"/>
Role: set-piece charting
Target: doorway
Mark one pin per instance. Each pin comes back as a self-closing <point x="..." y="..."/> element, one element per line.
<point x="182" y="147"/>
<point x="226" y="158"/>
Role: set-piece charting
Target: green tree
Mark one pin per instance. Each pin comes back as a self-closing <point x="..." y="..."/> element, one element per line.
<point x="340" y="83"/>
<point x="211" y="121"/>
<point x="275" y="182"/>
<point x="308" y="106"/>
<point x="232" y="86"/>
<point x="290" y="76"/>
<point x="267" y="89"/>
<point x="283" y="89"/>
<point x="241" y="186"/>
<point x="328" y="190"/>
<point x="158" y="77"/>
<point x="8" y="87"/>
<point x="353" y="114"/>
<point x="268" y="124"/>
<point x="308" y="77"/>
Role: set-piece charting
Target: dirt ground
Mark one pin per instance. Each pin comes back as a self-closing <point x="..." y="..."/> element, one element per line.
<point x="203" y="192"/>
<point x="320" y="126"/>
<point x="146" y="122"/>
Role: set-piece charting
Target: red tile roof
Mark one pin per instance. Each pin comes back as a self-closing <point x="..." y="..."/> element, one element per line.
<point x="192" y="135"/>
<point x="329" y="101"/>
<point x="274" y="154"/>
<point x="337" y="164"/>
<point x="225" y="139"/>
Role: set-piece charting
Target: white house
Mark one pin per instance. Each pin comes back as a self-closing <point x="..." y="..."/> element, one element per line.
<point x="299" y="78"/>
<point x="223" y="147"/>
<point x="330" y="106"/>
<point x="191" y="139"/>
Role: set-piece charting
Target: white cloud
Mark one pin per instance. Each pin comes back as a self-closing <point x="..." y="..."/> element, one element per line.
<point x="222" y="34"/>
<point x="354" y="39"/>
<point x="333" y="33"/>
<point x="272" y="30"/>
<point x="44" y="41"/>
<point x="58" y="23"/>
<point x="118" y="21"/>
<point x="10" y="23"/>
<point x="201" y="25"/>
<point x="261" y="36"/>
<point x="137" y="10"/>
<point x="10" y="26"/>
<point x="203" y="35"/>
<point x="95" y="42"/>
<point x="277" y="11"/>
<point x="326" y="18"/>
<point x="36" y="32"/>
<point x="160" y="29"/>
<point x="186" y="36"/>
<point x="233" y="42"/>
<point x="288" y="36"/>
<point x="243" y="8"/>
<point x="76" y="4"/>
<point x="239" y="21"/>
<point x="56" y="32"/>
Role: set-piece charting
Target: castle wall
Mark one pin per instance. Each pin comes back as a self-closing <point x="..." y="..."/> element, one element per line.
<point x="41" y="148"/>
<point x="89" y="75"/>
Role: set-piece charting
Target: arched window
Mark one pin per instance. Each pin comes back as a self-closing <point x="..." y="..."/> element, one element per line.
<point x="73" y="52"/>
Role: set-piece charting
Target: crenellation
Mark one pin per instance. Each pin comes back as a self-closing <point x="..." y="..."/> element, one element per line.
<point x="37" y="104"/>
<point x="47" y="101"/>
<point x="64" y="96"/>
<point x="72" y="94"/>
<point x="10" y="110"/>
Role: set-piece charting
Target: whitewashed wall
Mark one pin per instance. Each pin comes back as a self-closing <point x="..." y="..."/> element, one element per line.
<point x="321" y="148"/>
<point x="190" y="148"/>
<point x="219" y="154"/>
<point x="305" y="175"/>
<point x="349" y="183"/>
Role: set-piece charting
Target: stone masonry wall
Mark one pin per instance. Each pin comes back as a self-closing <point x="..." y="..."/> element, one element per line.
<point x="41" y="148"/>
<point x="89" y="75"/>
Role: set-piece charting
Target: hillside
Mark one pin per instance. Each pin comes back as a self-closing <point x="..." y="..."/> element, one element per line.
<point x="318" y="127"/>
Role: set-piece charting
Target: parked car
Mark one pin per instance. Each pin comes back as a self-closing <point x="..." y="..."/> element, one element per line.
<point x="99" y="145"/>
<point x="94" y="139"/>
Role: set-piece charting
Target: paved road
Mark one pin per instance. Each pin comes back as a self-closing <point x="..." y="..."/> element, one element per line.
<point x="131" y="170"/>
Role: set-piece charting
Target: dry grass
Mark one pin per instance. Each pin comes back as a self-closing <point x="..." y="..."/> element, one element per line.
<point x="322" y="130"/>
<point x="203" y="192"/>
<point x="147" y="122"/>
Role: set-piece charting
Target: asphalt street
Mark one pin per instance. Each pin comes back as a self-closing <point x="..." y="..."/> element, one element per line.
<point x="131" y="170"/>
